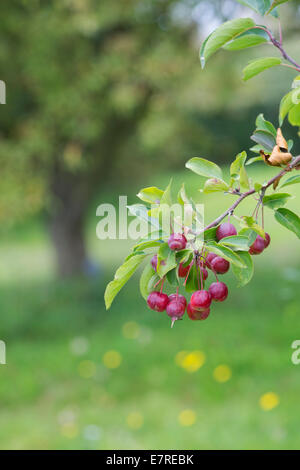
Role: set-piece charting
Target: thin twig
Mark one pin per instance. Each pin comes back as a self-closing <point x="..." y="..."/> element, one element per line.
<point x="279" y="46"/>
<point x="291" y="166"/>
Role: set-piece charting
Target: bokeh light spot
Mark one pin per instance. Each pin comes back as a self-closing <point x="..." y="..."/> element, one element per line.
<point x="92" y="432"/>
<point x="179" y="357"/>
<point x="79" y="346"/>
<point x="190" y="361"/>
<point x="112" y="359"/>
<point x="268" y="401"/>
<point x="130" y="330"/>
<point x="69" y="430"/>
<point x="135" y="420"/>
<point x="87" y="369"/>
<point x="222" y="373"/>
<point x="187" y="418"/>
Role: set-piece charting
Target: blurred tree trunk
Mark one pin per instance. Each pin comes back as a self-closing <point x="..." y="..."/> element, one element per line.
<point x="66" y="222"/>
<point x="72" y="192"/>
<point x="68" y="239"/>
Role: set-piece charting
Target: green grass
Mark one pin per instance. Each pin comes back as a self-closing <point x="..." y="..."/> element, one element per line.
<point x="50" y="397"/>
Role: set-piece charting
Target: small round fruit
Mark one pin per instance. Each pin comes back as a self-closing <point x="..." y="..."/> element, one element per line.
<point x="225" y="230"/>
<point x="183" y="270"/>
<point x="218" y="291"/>
<point x="209" y="259"/>
<point x="177" y="297"/>
<point x="197" y="314"/>
<point x="201" y="299"/>
<point x="154" y="262"/>
<point x="258" y="246"/>
<point x="177" y="241"/>
<point x="157" y="301"/>
<point x="175" y="310"/>
<point x="267" y="240"/>
<point x="220" y="265"/>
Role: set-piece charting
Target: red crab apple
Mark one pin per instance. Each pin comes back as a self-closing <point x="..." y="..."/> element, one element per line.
<point x="183" y="270"/>
<point x="157" y="301"/>
<point x="154" y="262"/>
<point x="209" y="259"/>
<point x="178" y="298"/>
<point x="267" y="240"/>
<point x="258" y="246"/>
<point x="201" y="299"/>
<point x="175" y="310"/>
<point x="197" y="314"/>
<point x="218" y="291"/>
<point x="177" y="241"/>
<point x="225" y="230"/>
<point x="220" y="265"/>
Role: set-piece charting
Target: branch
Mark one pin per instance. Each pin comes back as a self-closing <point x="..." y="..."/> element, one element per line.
<point x="285" y="54"/>
<point x="292" y="166"/>
<point x="279" y="46"/>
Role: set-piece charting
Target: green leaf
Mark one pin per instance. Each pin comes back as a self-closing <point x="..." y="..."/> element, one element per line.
<point x="294" y="115"/>
<point x="265" y="139"/>
<point x="152" y="195"/>
<point x="225" y="33"/>
<point x="290" y="143"/>
<point x="236" y="242"/>
<point x="154" y="236"/>
<point x="286" y="104"/>
<point x="244" y="275"/>
<point x="249" y="233"/>
<point x="192" y="283"/>
<point x="237" y="164"/>
<point x="257" y="187"/>
<point x="182" y="197"/>
<point x="225" y="253"/>
<point x="210" y="234"/>
<point x="273" y="201"/>
<point x="123" y="274"/>
<point x="275" y="4"/>
<point x="251" y="4"/>
<point x="288" y="219"/>
<point x="244" y="41"/>
<point x="172" y="277"/>
<point x="214" y="185"/>
<point x="256" y="149"/>
<point x="168" y="256"/>
<point x="203" y="167"/>
<point x="290" y="105"/>
<point x="147" y="244"/>
<point x="244" y="180"/>
<point x="292" y="180"/>
<point x="140" y="211"/>
<point x="184" y="256"/>
<point x="249" y="222"/>
<point x="167" y="196"/>
<point x="260" y="6"/>
<point x="259" y="65"/>
<point x="148" y="280"/>
<point x="263" y="125"/>
<point x="253" y="160"/>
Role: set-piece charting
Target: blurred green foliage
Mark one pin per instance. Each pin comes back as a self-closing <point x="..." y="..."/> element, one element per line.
<point x="67" y="84"/>
<point x="101" y="92"/>
<point x="59" y="390"/>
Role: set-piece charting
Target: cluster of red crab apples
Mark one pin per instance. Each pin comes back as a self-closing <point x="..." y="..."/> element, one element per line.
<point x="199" y="306"/>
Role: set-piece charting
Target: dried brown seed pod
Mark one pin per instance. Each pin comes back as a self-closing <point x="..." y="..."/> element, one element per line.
<point x="279" y="157"/>
<point x="280" y="140"/>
